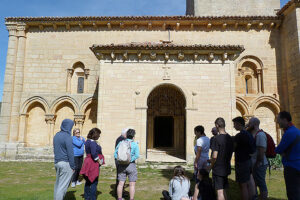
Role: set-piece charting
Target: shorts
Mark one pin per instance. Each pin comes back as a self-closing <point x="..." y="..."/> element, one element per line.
<point x="220" y="182"/>
<point x="243" y="171"/>
<point x="127" y="170"/>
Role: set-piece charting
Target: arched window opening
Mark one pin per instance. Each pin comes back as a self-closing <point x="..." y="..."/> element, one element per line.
<point x="77" y="79"/>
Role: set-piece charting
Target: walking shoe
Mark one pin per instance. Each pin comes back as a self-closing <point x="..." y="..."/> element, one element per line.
<point x="73" y="184"/>
<point x="78" y="183"/>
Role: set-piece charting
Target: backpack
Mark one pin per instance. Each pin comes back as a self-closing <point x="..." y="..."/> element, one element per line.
<point x="124" y="152"/>
<point x="270" y="151"/>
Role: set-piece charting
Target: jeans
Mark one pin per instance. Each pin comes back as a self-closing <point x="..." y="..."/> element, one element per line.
<point x="63" y="178"/>
<point x="78" y="164"/>
<point x="292" y="181"/>
<point x="90" y="189"/>
<point x="259" y="175"/>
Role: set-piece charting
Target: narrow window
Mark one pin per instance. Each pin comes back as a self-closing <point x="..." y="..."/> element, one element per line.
<point x="80" y="86"/>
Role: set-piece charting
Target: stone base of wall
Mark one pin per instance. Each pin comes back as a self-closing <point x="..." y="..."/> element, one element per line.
<point x="18" y="152"/>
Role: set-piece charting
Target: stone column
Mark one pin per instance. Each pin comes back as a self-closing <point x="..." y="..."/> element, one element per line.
<point x="69" y="78"/>
<point x="18" y="84"/>
<point x="86" y="75"/>
<point x="79" y="121"/>
<point x="259" y="78"/>
<point x="8" y="88"/>
<point x="23" y="128"/>
<point x="50" y="120"/>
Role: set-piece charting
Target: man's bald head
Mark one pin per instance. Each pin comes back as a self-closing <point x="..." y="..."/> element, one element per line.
<point x="253" y="123"/>
<point x="214" y="131"/>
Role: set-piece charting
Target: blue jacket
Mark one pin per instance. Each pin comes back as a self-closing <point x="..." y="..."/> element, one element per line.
<point x="78" y="146"/>
<point x="135" y="152"/>
<point x="288" y="137"/>
<point x="62" y="143"/>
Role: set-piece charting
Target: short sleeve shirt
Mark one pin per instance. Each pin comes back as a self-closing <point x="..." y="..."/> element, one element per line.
<point x="243" y="142"/>
<point x="261" y="141"/>
<point x="223" y="144"/>
<point x="204" y="143"/>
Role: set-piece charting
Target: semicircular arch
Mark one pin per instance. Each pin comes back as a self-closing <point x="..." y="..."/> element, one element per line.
<point x="269" y="100"/>
<point x="86" y="103"/>
<point x="62" y="100"/>
<point x="252" y="59"/>
<point x="32" y="100"/>
<point x="243" y="105"/>
<point x="146" y="92"/>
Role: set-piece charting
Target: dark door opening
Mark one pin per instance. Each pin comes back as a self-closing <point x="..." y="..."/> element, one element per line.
<point x="163" y="131"/>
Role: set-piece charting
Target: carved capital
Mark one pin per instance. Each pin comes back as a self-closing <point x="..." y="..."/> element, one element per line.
<point x="86" y="72"/>
<point x="50" y="118"/>
<point x="70" y="72"/>
<point x="12" y="28"/>
<point x="79" y="119"/>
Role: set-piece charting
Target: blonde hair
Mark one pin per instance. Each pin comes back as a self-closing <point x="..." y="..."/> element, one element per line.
<point x="74" y="131"/>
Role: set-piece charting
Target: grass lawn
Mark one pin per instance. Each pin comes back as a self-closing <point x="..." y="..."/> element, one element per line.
<point x="32" y="181"/>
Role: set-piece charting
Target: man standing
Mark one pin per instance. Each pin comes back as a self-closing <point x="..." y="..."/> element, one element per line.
<point x="119" y="139"/>
<point x="214" y="133"/>
<point x="222" y="148"/>
<point x="244" y="147"/>
<point x="259" y="159"/>
<point x="64" y="158"/>
<point x="289" y="148"/>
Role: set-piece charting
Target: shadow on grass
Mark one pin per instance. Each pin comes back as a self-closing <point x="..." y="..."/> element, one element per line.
<point x="113" y="191"/>
<point x="70" y="195"/>
<point x="233" y="191"/>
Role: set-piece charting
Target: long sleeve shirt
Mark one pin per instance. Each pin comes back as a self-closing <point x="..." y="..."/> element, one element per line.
<point x="78" y="146"/>
<point x="287" y="139"/>
<point x="91" y="147"/>
<point x="135" y="152"/>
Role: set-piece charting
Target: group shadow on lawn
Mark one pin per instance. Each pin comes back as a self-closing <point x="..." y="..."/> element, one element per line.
<point x="233" y="192"/>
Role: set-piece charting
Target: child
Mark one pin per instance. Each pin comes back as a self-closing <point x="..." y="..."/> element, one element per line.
<point x="179" y="186"/>
<point x="203" y="188"/>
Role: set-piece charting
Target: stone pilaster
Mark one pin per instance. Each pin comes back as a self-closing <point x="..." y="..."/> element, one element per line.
<point x="18" y="84"/>
<point x="8" y="89"/>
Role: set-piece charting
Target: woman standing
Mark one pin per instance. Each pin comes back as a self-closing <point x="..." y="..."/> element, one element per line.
<point x="179" y="186"/>
<point x="201" y="149"/>
<point x="78" y="147"/>
<point x="94" y="159"/>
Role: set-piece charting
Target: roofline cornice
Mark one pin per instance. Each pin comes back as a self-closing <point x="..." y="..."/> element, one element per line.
<point x="152" y="51"/>
<point x="149" y="22"/>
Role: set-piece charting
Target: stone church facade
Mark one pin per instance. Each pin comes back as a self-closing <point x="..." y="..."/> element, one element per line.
<point x="161" y="75"/>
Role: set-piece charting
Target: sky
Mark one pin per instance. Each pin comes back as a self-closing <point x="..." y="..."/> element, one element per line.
<point x="33" y="8"/>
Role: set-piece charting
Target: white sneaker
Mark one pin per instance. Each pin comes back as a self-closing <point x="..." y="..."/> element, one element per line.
<point x="73" y="184"/>
<point x="78" y="183"/>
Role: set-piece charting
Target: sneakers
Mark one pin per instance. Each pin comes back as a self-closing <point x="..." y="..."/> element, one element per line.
<point x="73" y="184"/>
<point x="78" y="183"/>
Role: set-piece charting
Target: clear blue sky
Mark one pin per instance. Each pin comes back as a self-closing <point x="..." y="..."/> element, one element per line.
<point x="13" y="8"/>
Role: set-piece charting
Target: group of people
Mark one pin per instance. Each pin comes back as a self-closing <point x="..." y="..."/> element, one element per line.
<point x="69" y="162"/>
<point x="249" y="146"/>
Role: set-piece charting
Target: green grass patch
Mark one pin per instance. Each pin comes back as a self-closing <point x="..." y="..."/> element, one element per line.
<point x="35" y="181"/>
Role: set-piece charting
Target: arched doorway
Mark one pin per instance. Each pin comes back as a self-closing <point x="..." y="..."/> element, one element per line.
<point x="166" y="121"/>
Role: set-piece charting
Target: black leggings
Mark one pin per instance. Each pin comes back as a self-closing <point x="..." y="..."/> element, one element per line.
<point x="78" y="164"/>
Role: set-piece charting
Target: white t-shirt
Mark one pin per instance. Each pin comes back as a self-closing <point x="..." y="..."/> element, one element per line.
<point x="204" y="143"/>
<point x="261" y="141"/>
